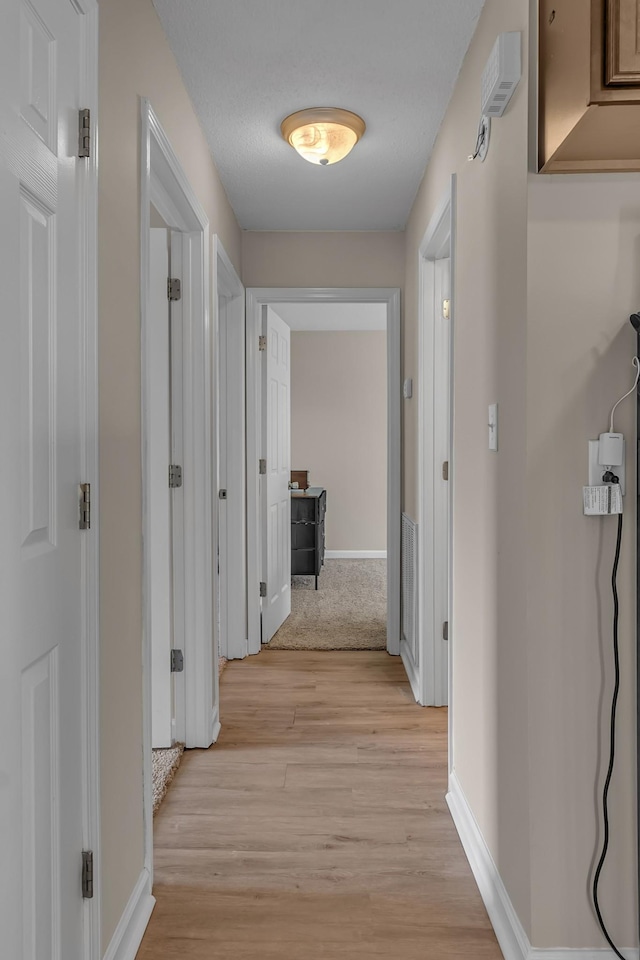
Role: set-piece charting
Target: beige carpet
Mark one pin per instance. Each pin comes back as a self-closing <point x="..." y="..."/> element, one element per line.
<point x="165" y="764"/>
<point x="348" y="611"/>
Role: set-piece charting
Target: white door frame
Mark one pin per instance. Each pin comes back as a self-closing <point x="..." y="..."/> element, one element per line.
<point x="231" y="534"/>
<point x="164" y="183"/>
<point x="435" y="673"/>
<point x="256" y="298"/>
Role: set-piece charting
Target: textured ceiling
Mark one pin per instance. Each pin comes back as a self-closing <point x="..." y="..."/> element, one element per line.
<point x="249" y="63"/>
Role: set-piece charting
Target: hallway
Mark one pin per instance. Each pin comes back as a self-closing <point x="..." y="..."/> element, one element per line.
<point x="316" y="827"/>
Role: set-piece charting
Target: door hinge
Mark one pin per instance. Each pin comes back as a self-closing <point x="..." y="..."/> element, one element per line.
<point x="177" y="661"/>
<point x="262" y="466"/>
<point x="262" y="342"/>
<point x="446" y="309"/>
<point x="84" y="133"/>
<point x="445" y="630"/>
<point x="85" y="506"/>
<point x="175" y="475"/>
<point x="87" y="874"/>
<point x="174" y="289"/>
<point x="445" y="470"/>
<point x="263" y="588"/>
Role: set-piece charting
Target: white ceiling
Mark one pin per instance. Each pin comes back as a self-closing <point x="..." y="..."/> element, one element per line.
<point x="249" y="63"/>
<point x="333" y="316"/>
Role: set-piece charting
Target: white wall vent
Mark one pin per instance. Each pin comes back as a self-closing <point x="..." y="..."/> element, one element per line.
<point x="501" y="74"/>
<point x="409" y="585"/>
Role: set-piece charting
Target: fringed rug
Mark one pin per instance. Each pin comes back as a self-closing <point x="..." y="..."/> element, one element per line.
<point x="347" y="612"/>
<point x="165" y="764"/>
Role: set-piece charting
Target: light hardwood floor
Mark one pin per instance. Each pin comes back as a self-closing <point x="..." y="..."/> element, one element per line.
<point x="316" y="828"/>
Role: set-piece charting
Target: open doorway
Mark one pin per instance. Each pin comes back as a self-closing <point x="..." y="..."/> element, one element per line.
<point x="269" y="551"/>
<point x="338" y="457"/>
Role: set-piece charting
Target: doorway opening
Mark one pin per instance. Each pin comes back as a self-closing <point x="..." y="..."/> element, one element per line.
<point x="338" y="442"/>
<point x="179" y="692"/>
<point x="271" y="532"/>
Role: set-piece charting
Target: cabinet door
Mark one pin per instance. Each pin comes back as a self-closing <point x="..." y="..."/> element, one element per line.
<point x="622" y="43"/>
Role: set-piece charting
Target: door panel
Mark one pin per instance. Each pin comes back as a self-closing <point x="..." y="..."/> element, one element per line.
<point x="622" y="42"/>
<point x="277" y="500"/>
<point x="159" y="492"/>
<point x="442" y="427"/>
<point x="41" y="546"/>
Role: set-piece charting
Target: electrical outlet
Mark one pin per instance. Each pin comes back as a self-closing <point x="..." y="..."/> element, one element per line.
<point x="596" y="469"/>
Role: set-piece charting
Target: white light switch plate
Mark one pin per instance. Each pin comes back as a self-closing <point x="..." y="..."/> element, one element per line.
<point x="493" y="426"/>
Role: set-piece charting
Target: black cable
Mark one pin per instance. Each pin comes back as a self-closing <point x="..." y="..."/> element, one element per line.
<point x="612" y="745"/>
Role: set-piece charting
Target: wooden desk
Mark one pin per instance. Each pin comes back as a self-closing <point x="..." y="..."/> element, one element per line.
<point x="308" y="509"/>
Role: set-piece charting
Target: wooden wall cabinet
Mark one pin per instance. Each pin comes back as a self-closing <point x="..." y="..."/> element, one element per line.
<point x="589" y="86"/>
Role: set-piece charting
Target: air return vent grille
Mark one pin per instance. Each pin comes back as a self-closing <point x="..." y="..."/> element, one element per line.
<point x="409" y="584"/>
<point x="501" y="74"/>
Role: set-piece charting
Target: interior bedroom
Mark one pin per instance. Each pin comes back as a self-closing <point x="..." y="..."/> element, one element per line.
<point x="338" y="403"/>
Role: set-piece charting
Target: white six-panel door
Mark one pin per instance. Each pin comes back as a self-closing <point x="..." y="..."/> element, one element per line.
<point x="41" y="562"/>
<point x="276" y="606"/>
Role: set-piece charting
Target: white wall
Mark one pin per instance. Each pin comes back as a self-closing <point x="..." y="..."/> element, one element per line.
<point x="339" y="430"/>
<point x="365" y="259"/>
<point x="546" y="277"/>
<point x="489" y="495"/>
<point x="135" y="61"/>
<point x="584" y="282"/>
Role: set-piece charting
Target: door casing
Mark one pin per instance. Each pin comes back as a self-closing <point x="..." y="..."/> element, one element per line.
<point x="164" y="184"/>
<point x="256" y="298"/>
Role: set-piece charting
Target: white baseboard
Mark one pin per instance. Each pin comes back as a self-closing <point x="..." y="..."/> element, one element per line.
<point x="215" y="724"/>
<point x="511" y="935"/>
<point x="512" y="938"/>
<point x="560" y="953"/>
<point x="410" y="669"/>
<point x="355" y="554"/>
<point x="128" y="935"/>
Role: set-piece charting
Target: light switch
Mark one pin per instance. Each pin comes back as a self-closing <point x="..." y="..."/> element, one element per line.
<point x="493" y="426"/>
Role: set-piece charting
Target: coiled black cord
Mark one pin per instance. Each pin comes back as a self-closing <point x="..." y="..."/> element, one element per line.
<point x="612" y="746"/>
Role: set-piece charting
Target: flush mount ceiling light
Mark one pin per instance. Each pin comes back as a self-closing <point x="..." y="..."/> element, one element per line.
<point x="323" y="135"/>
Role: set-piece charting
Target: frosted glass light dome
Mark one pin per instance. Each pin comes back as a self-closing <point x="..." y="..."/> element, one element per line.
<point x="323" y="135"/>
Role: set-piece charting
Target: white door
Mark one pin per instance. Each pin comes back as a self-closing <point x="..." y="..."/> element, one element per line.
<point x="442" y="428"/>
<point x="232" y="493"/>
<point x="42" y="569"/>
<point x="223" y="486"/>
<point x="159" y="458"/>
<point x="276" y="606"/>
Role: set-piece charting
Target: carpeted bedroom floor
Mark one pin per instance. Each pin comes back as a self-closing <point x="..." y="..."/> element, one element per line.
<point x="347" y="612"/>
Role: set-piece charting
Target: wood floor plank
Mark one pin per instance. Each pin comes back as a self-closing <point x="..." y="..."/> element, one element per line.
<point x="316" y="827"/>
